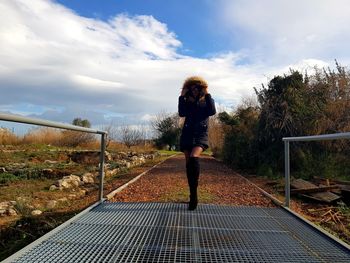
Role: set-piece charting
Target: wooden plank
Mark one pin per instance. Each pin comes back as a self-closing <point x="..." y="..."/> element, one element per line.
<point x="314" y="189"/>
<point x="327" y="197"/>
<point x="302" y="184"/>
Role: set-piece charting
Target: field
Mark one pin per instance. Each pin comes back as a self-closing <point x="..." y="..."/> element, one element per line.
<point x="35" y="197"/>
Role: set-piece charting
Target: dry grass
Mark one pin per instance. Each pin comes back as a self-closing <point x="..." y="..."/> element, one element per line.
<point x="63" y="138"/>
<point x="43" y="136"/>
<point x="8" y="138"/>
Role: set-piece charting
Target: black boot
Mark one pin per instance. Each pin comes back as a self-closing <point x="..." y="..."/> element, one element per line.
<point x="193" y="181"/>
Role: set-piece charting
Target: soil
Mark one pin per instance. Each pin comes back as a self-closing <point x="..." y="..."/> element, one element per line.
<point x="218" y="184"/>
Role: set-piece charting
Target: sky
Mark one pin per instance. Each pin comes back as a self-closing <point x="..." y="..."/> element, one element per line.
<point x="124" y="61"/>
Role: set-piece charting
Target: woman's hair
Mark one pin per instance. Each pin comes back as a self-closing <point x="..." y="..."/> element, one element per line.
<point x="197" y="81"/>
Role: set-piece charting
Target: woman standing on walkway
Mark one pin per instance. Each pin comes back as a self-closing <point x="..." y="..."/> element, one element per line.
<point x="196" y="105"/>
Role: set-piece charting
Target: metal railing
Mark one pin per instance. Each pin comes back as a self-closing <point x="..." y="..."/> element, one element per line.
<point x="287" y="140"/>
<point x="26" y="120"/>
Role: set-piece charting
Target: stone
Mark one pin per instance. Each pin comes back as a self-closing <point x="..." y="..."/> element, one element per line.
<point x="88" y="178"/>
<point x="4" y="205"/>
<point x="108" y="156"/>
<point x="82" y="192"/>
<point x="53" y="188"/>
<point x="127" y="164"/>
<point x="51" y="204"/>
<point x="69" y="181"/>
<point x="72" y="196"/>
<point x="11" y="212"/>
<point x="2" y="170"/>
<point x="123" y="154"/>
<point x="50" y="162"/>
<point x="63" y="199"/>
<point x="36" y="212"/>
<point x="3" y="212"/>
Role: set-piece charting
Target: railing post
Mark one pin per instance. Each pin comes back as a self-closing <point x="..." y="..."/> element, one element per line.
<point x="102" y="164"/>
<point x="287" y="173"/>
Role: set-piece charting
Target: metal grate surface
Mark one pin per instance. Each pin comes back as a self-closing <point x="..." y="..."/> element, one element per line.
<point x="164" y="232"/>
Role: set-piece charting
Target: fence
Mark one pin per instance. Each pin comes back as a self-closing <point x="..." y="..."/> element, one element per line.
<point x="26" y="120"/>
<point x="287" y="140"/>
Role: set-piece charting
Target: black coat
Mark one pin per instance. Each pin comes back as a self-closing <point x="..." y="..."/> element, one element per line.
<point x="195" y="129"/>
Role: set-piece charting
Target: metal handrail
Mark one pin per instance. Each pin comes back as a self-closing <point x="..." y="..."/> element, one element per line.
<point x="286" y="140"/>
<point x="40" y="122"/>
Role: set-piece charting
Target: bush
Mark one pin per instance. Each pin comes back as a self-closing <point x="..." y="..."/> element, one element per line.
<point x="8" y="177"/>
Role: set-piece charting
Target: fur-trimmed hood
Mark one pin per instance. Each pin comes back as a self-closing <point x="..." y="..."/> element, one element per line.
<point x="193" y="81"/>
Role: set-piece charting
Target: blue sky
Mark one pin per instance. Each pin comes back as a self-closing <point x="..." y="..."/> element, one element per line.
<point x="189" y="19"/>
<point x="124" y="61"/>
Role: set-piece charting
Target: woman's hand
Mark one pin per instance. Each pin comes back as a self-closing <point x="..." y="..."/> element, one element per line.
<point x="205" y="90"/>
<point x="184" y="91"/>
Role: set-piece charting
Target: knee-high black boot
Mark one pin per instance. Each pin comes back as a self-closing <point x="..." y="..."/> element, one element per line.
<point x="194" y="170"/>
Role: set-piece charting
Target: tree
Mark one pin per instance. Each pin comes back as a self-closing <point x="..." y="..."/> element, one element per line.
<point x="82" y="123"/>
<point x="167" y="127"/>
<point x="132" y="136"/>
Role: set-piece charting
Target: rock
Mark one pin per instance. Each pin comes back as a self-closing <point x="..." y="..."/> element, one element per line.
<point x="53" y="188"/>
<point x="4" y="205"/>
<point x="127" y="164"/>
<point x="2" y="170"/>
<point x="3" y="212"/>
<point x="123" y="154"/>
<point x="63" y="199"/>
<point x="108" y="156"/>
<point x="51" y="204"/>
<point x="82" y="192"/>
<point x="11" y="212"/>
<point x="88" y="178"/>
<point x="69" y="182"/>
<point x="50" y="162"/>
<point x="114" y="171"/>
<point x="36" y="212"/>
<point x="134" y="158"/>
<point x="72" y="196"/>
<point x="13" y="203"/>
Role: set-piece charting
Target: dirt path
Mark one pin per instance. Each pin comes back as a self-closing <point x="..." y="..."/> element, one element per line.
<point x="217" y="185"/>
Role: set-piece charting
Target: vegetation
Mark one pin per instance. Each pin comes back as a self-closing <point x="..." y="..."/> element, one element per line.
<point x="292" y="105"/>
<point x="167" y="127"/>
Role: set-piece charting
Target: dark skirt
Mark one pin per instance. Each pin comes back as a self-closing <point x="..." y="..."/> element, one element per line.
<point x="189" y="139"/>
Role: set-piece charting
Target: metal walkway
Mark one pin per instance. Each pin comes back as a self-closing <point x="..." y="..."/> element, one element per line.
<point x="164" y="232"/>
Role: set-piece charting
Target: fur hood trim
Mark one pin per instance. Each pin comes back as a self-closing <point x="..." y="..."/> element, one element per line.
<point x="193" y="81"/>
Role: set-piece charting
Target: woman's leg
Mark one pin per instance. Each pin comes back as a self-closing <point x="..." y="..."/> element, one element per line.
<point x="194" y="175"/>
<point x="196" y="151"/>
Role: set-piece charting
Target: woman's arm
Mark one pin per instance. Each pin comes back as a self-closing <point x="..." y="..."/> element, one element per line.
<point x="182" y="107"/>
<point x="211" y="110"/>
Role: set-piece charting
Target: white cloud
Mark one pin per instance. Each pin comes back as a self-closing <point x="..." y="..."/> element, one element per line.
<point x="128" y="66"/>
<point x="283" y="31"/>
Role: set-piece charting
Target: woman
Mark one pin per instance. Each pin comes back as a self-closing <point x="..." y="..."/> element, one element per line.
<point x="196" y="105"/>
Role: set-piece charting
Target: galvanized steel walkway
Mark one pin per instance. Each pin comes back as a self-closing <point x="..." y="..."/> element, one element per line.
<point x="165" y="232"/>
